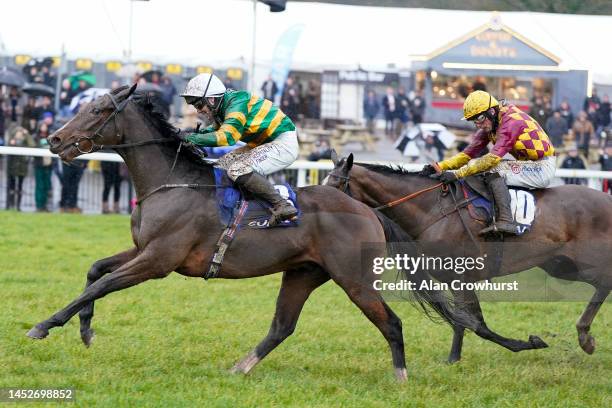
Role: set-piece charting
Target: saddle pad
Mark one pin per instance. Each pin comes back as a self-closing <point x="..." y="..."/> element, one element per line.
<point x="522" y="205"/>
<point x="258" y="211"/>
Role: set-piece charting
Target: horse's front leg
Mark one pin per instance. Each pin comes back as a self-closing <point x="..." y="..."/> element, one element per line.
<point x="149" y="264"/>
<point x="98" y="270"/>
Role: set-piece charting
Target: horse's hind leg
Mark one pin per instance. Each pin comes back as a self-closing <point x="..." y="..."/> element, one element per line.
<point x="468" y="300"/>
<point x="97" y="270"/>
<point x="586" y="341"/>
<point x="296" y="286"/>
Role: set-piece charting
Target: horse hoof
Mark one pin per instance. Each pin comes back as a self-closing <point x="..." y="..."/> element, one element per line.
<point x="88" y="337"/>
<point x="401" y="374"/>
<point x="37" y="332"/>
<point x="453" y="359"/>
<point x="246" y="364"/>
<point x="587" y="342"/>
<point x="537" y="342"/>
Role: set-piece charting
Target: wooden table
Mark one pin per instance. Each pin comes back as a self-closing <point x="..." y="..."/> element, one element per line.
<point x="353" y="133"/>
<point x="309" y="137"/>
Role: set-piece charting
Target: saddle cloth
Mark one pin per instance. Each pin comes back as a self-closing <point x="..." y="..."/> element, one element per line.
<point x="522" y="204"/>
<point x="258" y="211"/>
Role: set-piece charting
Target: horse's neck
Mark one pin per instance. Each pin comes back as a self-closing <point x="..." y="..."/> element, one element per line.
<point x="151" y="166"/>
<point x="380" y="189"/>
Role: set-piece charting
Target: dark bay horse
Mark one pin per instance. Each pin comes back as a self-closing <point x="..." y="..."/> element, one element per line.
<point x="176" y="225"/>
<point x="570" y="238"/>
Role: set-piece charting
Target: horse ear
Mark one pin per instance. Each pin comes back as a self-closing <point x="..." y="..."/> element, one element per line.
<point x="334" y="157"/>
<point x="349" y="162"/>
<point x="132" y="89"/>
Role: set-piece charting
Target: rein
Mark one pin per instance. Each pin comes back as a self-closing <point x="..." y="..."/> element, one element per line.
<point x="411" y="196"/>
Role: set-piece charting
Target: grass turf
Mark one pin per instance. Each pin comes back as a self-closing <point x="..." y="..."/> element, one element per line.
<point x="171" y="342"/>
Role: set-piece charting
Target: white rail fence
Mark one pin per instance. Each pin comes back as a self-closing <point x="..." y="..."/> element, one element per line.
<point x="301" y="173"/>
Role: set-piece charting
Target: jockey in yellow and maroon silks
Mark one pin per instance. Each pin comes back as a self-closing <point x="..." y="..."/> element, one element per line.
<point x="512" y="132"/>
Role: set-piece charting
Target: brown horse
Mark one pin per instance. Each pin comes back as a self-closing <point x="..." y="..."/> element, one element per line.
<point x="570" y="237"/>
<point x="176" y="225"/>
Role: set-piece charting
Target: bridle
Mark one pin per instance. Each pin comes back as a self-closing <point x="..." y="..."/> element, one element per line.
<point x="119" y="107"/>
<point x="346" y="180"/>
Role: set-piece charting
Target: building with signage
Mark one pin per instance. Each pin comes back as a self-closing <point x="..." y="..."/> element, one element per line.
<point x="499" y="60"/>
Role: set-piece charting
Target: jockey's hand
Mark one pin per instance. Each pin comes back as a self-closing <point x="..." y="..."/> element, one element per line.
<point x="427" y="170"/>
<point x="446" y="177"/>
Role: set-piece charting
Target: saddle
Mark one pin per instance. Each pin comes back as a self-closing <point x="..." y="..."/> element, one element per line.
<point x="480" y="203"/>
<point x="256" y="212"/>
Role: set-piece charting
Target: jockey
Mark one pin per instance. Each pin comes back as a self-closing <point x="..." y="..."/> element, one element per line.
<point x="270" y="137"/>
<point x="511" y="131"/>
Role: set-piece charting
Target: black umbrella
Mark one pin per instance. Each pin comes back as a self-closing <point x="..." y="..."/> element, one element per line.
<point x="38" y="90"/>
<point x="148" y="88"/>
<point x="148" y="76"/>
<point x="11" y="78"/>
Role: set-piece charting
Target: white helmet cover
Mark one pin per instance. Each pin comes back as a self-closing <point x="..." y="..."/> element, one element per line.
<point x="197" y="86"/>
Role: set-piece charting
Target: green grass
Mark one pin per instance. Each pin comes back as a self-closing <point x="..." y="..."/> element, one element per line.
<point x="170" y="342"/>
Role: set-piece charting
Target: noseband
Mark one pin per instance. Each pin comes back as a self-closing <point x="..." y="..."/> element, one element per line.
<point x="119" y="107"/>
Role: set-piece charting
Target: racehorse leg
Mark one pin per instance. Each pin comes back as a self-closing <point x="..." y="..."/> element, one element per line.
<point x="380" y="314"/>
<point x="97" y="270"/>
<point x="142" y="268"/>
<point x="469" y="301"/>
<point x="296" y="286"/>
<point x="586" y="341"/>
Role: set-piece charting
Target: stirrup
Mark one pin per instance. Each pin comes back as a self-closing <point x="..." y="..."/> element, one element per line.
<point x="278" y="216"/>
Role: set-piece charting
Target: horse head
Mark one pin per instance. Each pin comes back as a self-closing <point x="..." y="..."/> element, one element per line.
<point x="339" y="177"/>
<point x="94" y="126"/>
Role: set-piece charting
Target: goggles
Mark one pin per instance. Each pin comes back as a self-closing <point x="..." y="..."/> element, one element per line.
<point x="196" y="101"/>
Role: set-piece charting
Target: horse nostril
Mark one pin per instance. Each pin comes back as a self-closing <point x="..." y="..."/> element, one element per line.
<point x="54" y="141"/>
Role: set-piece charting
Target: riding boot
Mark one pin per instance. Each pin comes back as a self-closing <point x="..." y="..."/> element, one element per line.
<point x="257" y="184"/>
<point x="105" y="208"/>
<point x="504" y="222"/>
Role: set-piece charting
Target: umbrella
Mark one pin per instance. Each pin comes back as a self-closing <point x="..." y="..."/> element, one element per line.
<point x="148" y="88"/>
<point x="38" y="90"/>
<point x="11" y="78"/>
<point x="78" y="76"/>
<point x="148" y="76"/>
<point x="408" y="142"/>
<point x="86" y="97"/>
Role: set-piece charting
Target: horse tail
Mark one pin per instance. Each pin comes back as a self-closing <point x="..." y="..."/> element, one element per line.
<point x="398" y="242"/>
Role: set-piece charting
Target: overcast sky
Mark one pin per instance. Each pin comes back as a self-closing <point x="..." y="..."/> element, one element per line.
<point x="213" y="31"/>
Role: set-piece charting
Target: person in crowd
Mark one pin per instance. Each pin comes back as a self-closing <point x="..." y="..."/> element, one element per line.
<point x="539" y="112"/>
<point x="71" y="178"/>
<point x="402" y="113"/>
<point x="417" y="107"/>
<point x="556" y="128"/>
<point x="573" y="161"/>
<point x="605" y="160"/>
<point x="313" y="99"/>
<point x="290" y="99"/>
<point x="168" y="93"/>
<point x="2" y="120"/>
<point x="322" y="151"/>
<point x="43" y="166"/>
<point x="512" y="132"/>
<point x="591" y="102"/>
<point x="31" y="111"/>
<point x="566" y="113"/>
<point x="603" y="116"/>
<point x="371" y="107"/>
<point x="112" y="179"/>
<point x="269" y="89"/>
<point x="389" y="104"/>
<point x="65" y="96"/>
<point x="17" y="166"/>
<point x="46" y="106"/>
<point x="270" y="135"/>
<point x="428" y="151"/>
<point x="14" y="109"/>
<point x="582" y="132"/>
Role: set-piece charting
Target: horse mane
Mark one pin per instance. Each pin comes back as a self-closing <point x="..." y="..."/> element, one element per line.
<point x="389" y="169"/>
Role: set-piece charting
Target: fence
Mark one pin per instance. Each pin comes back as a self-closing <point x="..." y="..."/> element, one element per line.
<point x="301" y="173"/>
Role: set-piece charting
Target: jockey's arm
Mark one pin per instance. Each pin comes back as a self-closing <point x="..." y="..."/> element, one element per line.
<point x="230" y="130"/>
<point x="479" y="142"/>
<point x="502" y="146"/>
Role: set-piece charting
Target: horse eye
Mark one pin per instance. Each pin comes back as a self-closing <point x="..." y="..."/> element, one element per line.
<point x="96" y="111"/>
